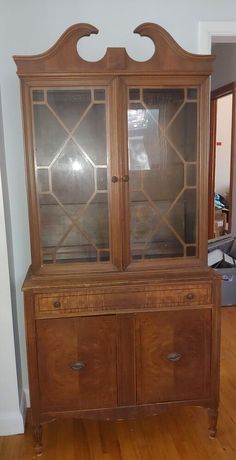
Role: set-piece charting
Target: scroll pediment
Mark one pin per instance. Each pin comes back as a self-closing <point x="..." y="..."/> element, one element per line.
<point x="63" y="57"/>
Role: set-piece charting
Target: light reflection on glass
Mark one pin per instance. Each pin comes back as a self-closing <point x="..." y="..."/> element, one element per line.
<point x="137" y="119"/>
<point x="138" y="158"/>
<point x="76" y="165"/>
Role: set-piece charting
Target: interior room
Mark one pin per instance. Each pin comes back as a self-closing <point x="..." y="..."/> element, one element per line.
<point x="221" y="161"/>
<point x="117" y="177"/>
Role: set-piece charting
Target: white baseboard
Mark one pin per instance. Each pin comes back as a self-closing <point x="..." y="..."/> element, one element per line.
<point x="27" y="396"/>
<point x="23" y="406"/>
<point x="13" y="422"/>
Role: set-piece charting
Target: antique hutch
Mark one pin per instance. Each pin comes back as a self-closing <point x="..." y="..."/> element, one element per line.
<point x="121" y="309"/>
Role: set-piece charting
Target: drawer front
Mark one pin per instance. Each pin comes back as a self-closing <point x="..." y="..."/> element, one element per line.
<point x="123" y="299"/>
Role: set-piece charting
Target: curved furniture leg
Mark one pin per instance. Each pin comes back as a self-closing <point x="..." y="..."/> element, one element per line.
<point x="38" y="439"/>
<point x="212" y="420"/>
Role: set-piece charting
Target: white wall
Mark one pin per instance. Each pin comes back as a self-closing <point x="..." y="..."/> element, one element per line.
<point x="224" y="69"/>
<point x="29" y="27"/>
<point x="11" y="420"/>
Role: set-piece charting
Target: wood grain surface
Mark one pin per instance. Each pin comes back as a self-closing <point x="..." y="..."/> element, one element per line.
<point x="178" y="435"/>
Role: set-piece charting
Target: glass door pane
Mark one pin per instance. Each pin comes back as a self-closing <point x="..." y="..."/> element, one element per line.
<point x="162" y="145"/>
<point x="70" y="141"/>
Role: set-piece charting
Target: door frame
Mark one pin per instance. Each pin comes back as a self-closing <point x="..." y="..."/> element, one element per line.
<point x="215" y="95"/>
<point x="215" y="32"/>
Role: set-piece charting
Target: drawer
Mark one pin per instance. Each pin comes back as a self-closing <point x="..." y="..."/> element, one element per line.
<point x="123" y="298"/>
<point x="184" y="295"/>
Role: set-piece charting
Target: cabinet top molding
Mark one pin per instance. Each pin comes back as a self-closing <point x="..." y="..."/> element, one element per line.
<point x="63" y="58"/>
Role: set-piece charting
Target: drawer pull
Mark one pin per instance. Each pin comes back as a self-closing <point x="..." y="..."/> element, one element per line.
<point x="57" y="304"/>
<point x="78" y="366"/>
<point x="190" y="296"/>
<point x="175" y="356"/>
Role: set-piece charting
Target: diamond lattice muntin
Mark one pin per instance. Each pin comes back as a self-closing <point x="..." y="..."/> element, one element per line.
<point x="162" y="138"/>
<point x="71" y="161"/>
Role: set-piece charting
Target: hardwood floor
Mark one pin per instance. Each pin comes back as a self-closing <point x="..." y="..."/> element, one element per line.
<point x="178" y="435"/>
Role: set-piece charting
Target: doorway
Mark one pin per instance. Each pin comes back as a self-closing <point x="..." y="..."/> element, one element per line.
<point x="221" y="34"/>
<point x="221" y="160"/>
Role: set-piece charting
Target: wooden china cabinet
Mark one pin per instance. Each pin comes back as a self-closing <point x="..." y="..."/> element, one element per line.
<point x="122" y="312"/>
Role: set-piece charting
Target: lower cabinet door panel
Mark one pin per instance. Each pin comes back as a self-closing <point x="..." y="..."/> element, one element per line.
<point x="77" y="363"/>
<point x="173" y="355"/>
<point x="79" y="359"/>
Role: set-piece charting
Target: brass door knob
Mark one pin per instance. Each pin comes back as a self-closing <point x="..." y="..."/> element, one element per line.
<point x="114" y="179"/>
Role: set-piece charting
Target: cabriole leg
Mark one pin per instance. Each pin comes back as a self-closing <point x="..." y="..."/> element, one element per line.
<point x="38" y="439"/>
<point x="212" y="420"/>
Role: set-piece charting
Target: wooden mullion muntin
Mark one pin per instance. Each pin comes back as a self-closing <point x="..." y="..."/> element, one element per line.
<point x="170" y="82"/>
<point x="113" y="196"/>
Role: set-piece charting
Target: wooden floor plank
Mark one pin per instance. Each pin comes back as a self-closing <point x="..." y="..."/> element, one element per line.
<point x="180" y="434"/>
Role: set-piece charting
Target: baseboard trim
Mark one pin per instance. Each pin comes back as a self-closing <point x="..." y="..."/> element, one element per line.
<point x="27" y="396"/>
<point x="14" y="422"/>
<point x="23" y="406"/>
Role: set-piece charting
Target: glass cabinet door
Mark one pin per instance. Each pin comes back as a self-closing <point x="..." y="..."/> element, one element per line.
<point x="70" y="143"/>
<point x="163" y="146"/>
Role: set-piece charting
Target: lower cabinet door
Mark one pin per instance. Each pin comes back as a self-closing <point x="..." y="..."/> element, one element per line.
<point x="77" y="363"/>
<point x="173" y="351"/>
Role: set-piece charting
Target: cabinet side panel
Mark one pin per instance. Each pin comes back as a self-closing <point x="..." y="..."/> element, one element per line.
<point x="32" y="358"/>
<point x="216" y="334"/>
<point x="31" y="184"/>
